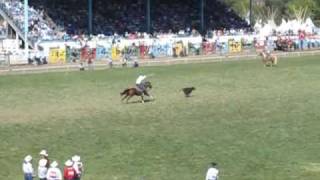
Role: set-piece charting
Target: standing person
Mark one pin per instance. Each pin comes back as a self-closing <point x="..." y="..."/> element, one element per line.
<point x="44" y="155"/>
<point x="27" y="168"/>
<point x="78" y="166"/>
<point x="69" y="173"/>
<point x="81" y="67"/>
<point x="135" y="63"/>
<point x="90" y="64"/>
<point x="301" y="39"/>
<point x="124" y="60"/>
<point x="110" y="63"/>
<point x="42" y="169"/>
<point x="54" y="172"/>
<point x="213" y="172"/>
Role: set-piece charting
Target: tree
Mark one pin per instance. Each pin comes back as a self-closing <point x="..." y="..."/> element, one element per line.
<point x="302" y="9"/>
<point x="316" y="13"/>
<point x="239" y="6"/>
<point x="278" y="9"/>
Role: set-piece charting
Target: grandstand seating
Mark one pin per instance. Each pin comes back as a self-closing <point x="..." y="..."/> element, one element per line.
<point x="120" y="16"/>
<point x="38" y="24"/>
<point x="130" y="16"/>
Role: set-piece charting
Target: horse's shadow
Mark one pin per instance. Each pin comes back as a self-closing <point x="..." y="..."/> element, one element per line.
<point x="140" y="102"/>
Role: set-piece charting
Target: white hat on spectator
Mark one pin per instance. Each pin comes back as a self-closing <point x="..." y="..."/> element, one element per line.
<point x="68" y="163"/>
<point x="44" y="153"/>
<point x="54" y="164"/>
<point x="42" y="162"/>
<point x="28" y="158"/>
<point x="76" y="158"/>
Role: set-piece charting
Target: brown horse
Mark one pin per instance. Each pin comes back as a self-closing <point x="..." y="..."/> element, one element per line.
<point x="130" y="92"/>
<point x="269" y="60"/>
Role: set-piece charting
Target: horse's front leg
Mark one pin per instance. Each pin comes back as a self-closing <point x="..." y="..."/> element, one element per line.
<point x="142" y="99"/>
<point x="147" y="94"/>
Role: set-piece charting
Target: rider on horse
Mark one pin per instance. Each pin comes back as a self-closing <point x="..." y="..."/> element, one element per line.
<point x="268" y="54"/>
<point x="140" y="83"/>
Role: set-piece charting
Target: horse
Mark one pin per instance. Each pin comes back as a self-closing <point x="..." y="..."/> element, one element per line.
<point x="269" y="60"/>
<point x="130" y="92"/>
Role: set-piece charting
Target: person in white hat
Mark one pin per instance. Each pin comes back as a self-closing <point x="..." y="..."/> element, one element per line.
<point x="54" y="172"/>
<point x="78" y="166"/>
<point x="44" y="155"/>
<point x="27" y="168"/>
<point x="140" y="82"/>
<point x="69" y="173"/>
<point x="42" y="169"/>
<point x="213" y="172"/>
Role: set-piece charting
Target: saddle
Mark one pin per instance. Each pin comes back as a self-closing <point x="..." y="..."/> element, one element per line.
<point x="140" y="88"/>
<point x="269" y="57"/>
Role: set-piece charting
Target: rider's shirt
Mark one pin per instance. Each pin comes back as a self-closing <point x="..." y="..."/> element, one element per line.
<point x="140" y="79"/>
<point x="212" y="174"/>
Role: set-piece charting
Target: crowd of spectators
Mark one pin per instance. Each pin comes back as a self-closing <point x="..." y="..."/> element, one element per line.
<point x="38" y="23"/>
<point x="3" y="28"/>
<point x="221" y="16"/>
<point x="121" y="16"/>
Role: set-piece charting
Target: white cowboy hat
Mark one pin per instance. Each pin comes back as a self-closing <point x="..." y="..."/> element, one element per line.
<point x="28" y="158"/>
<point x="44" y="153"/>
<point x="76" y="158"/>
<point x="68" y="163"/>
<point x="54" y="164"/>
<point x="42" y="162"/>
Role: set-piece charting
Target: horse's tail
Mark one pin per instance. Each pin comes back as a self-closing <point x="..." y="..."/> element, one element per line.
<point x="125" y="92"/>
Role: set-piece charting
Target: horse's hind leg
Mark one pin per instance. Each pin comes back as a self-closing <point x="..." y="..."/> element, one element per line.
<point x="124" y="97"/>
<point x="129" y="97"/>
<point x="142" y="99"/>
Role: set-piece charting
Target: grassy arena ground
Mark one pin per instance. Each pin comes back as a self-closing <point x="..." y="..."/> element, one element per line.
<point x="257" y="123"/>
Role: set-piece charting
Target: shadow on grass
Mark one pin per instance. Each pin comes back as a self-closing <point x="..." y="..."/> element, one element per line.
<point x="139" y="101"/>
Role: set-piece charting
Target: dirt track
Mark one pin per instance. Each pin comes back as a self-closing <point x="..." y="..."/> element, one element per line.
<point x="147" y="62"/>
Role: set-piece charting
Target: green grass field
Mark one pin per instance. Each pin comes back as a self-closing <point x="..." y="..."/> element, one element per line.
<point x="257" y="123"/>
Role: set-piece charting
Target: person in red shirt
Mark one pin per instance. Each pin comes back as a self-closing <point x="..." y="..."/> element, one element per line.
<point x="302" y="37"/>
<point x="69" y="173"/>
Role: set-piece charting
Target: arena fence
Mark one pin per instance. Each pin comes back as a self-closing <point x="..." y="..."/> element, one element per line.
<point x="154" y="62"/>
<point x="114" y="52"/>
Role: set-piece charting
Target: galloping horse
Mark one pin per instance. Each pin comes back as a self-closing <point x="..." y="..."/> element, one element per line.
<point x="130" y="92"/>
<point x="269" y="60"/>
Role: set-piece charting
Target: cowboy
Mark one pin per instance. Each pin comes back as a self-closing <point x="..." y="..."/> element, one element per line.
<point x="69" y="172"/>
<point x="213" y="172"/>
<point x="78" y="166"/>
<point x="135" y="63"/>
<point x="81" y="67"/>
<point x="110" y="63"/>
<point x="44" y="155"/>
<point x="54" y="172"/>
<point x="27" y="168"/>
<point x="124" y="59"/>
<point x="42" y="169"/>
<point x="140" y="82"/>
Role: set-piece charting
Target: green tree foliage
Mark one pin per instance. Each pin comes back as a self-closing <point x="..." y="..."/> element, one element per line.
<point x="301" y="9"/>
<point x="240" y="6"/>
<point x="287" y="9"/>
